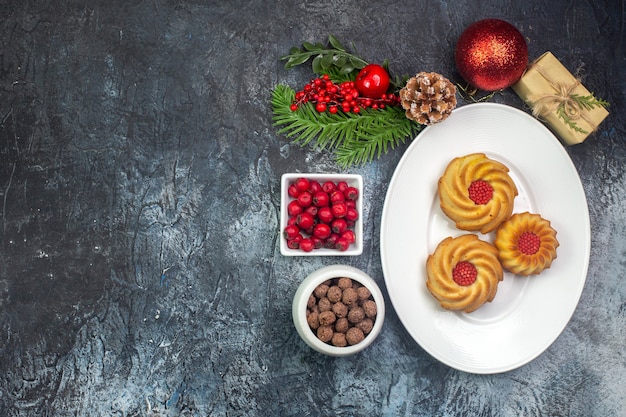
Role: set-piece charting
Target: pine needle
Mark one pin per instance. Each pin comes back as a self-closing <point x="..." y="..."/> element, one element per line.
<point x="354" y="138"/>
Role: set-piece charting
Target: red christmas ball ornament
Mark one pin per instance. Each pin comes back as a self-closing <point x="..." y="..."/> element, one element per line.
<point x="491" y="54"/>
<point x="372" y="81"/>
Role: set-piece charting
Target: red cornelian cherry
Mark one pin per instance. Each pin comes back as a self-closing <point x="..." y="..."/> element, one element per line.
<point x="342" y="244"/>
<point x="293" y="191"/>
<point x="339" y="225"/>
<point x="305" y="220"/>
<point x="302" y="184"/>
<point x="317" y="242"/>
<point x="352" y="214"/>
<point x="294" y="208"/>
<point x="337" y="196"/>
<point x="291" y="231"/>
<point x="331" y="241"/>
<point x="295" y="242"/>
<point x="351" y="193"/>
<point x="328" y="186"/>
<point x="314" y="186"/>
<point x="305" y="199"/>
<point x="325" y="214"/>
<point x="339" y="209"/>
<point x="349" y="235"/>
<point x="312" y="210"/>
<point x="480" y="192"/>
<point x="528" y="243"/>
<point x="306" y="244"/>
<point x="464" y="273"/>
<point x="322" y="230"/>
<point x="321" y="199"/>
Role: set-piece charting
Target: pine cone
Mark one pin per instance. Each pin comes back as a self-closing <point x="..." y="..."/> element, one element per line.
<point x="428" y="98"/>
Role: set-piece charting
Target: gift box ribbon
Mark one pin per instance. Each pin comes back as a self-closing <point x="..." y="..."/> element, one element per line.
<point x="545" y="104"/>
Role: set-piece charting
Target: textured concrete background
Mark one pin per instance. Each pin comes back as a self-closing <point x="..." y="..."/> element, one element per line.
<point x="140" y="273"/>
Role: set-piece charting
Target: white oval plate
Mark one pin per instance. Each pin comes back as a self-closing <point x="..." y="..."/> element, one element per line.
<point x="528" y="313"/>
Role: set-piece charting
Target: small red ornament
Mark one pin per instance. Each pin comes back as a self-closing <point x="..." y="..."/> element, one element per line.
<point x="372" y="81"/>
<point x="491" y="54"/>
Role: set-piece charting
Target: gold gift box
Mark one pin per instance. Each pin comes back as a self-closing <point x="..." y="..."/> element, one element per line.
<point x="546" y="76"/>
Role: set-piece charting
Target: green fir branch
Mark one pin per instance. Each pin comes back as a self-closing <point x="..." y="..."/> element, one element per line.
<point x="585" y="103"/>
<point x="560" y="112"/>
<point x="354" y="138"/>
<point x="590" y="101"/>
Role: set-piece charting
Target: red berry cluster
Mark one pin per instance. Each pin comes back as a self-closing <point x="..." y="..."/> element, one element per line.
<point x="480" y="192"/>
<point x="326" y="95"/>
<point x="528" y="243"/>
<point x="464" y="273"/>
<point x="321" y="215"/>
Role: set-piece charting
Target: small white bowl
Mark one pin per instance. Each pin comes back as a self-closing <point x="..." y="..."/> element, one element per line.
<point x="353" y="180"/>
<point x="306" y="288"/>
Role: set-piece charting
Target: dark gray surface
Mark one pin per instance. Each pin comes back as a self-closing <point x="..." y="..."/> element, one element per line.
<point x="140" y="272"/>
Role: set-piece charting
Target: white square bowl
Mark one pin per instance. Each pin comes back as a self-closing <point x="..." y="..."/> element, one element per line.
<point x="353" y="180"/>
